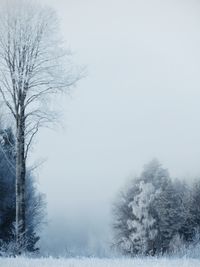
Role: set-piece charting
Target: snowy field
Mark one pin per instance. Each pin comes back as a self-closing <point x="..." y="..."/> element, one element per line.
<point x="50" y="262"/>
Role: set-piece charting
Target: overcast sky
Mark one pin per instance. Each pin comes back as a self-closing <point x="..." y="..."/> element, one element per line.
<point x="140" y="100"/>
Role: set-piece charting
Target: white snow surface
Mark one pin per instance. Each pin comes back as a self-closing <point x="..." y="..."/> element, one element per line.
<point x="51" y="262"/>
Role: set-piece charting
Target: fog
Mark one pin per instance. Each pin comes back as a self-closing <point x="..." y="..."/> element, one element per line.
<point x="139" y="100"/>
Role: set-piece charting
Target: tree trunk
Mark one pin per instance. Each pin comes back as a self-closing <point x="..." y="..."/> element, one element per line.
<point x="20" y="183"/>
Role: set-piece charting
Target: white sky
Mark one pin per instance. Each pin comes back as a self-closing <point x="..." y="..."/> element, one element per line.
<point x="140" y="100"/>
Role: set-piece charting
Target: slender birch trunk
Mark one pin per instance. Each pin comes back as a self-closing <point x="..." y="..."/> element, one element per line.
<point x="20" y="181"/>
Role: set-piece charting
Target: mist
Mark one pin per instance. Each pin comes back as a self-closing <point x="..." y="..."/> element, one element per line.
<point x="138" y="101"/>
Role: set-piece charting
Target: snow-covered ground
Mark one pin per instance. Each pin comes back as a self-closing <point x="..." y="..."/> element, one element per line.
<point x="50" y="262"/>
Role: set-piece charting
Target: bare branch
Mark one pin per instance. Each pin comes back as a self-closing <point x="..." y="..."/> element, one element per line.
<point x="7" y="102"/>
<point x="34" y="131"/>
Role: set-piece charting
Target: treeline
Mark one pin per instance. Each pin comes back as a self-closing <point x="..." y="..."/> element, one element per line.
<point x="35" y="201"/>
<point x="155" y="214"/>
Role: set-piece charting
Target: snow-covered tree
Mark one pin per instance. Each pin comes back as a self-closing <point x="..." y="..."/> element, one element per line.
<point x="190" y="230"/>
<point x="150" y="212"/>
<point x="7" y="184"/>
<point x="168" y="210"/>
<point x="142" y="227"/>
<point x="135" y="227"/>
<point x="35" y="209"/>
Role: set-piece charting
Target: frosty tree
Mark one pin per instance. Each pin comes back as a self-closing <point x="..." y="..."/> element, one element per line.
<point x="35" y="201"/>
<point x="156" y="214"/>
<point x="33" y="67"/>
<point x="142" y="230"/>
<point x="148" y="214"/>
<point x="135" y="227"/>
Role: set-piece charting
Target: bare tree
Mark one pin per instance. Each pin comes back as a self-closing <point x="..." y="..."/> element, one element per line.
<point x="33" y="66"/>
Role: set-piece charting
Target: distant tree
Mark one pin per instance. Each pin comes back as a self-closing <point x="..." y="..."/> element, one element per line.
<point x="150" y="212"/>
<point x="7" y="184"/>
<point x="134" y="226"/>
<point x="122" y="213"/>
<point x="142" y="227"/>
<point x="33" y="67"/>
<point x="35" y="209"/>
<point x="195" y="206"/>
<point x="169" y="213"/>
<point x="190" y="230"/>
